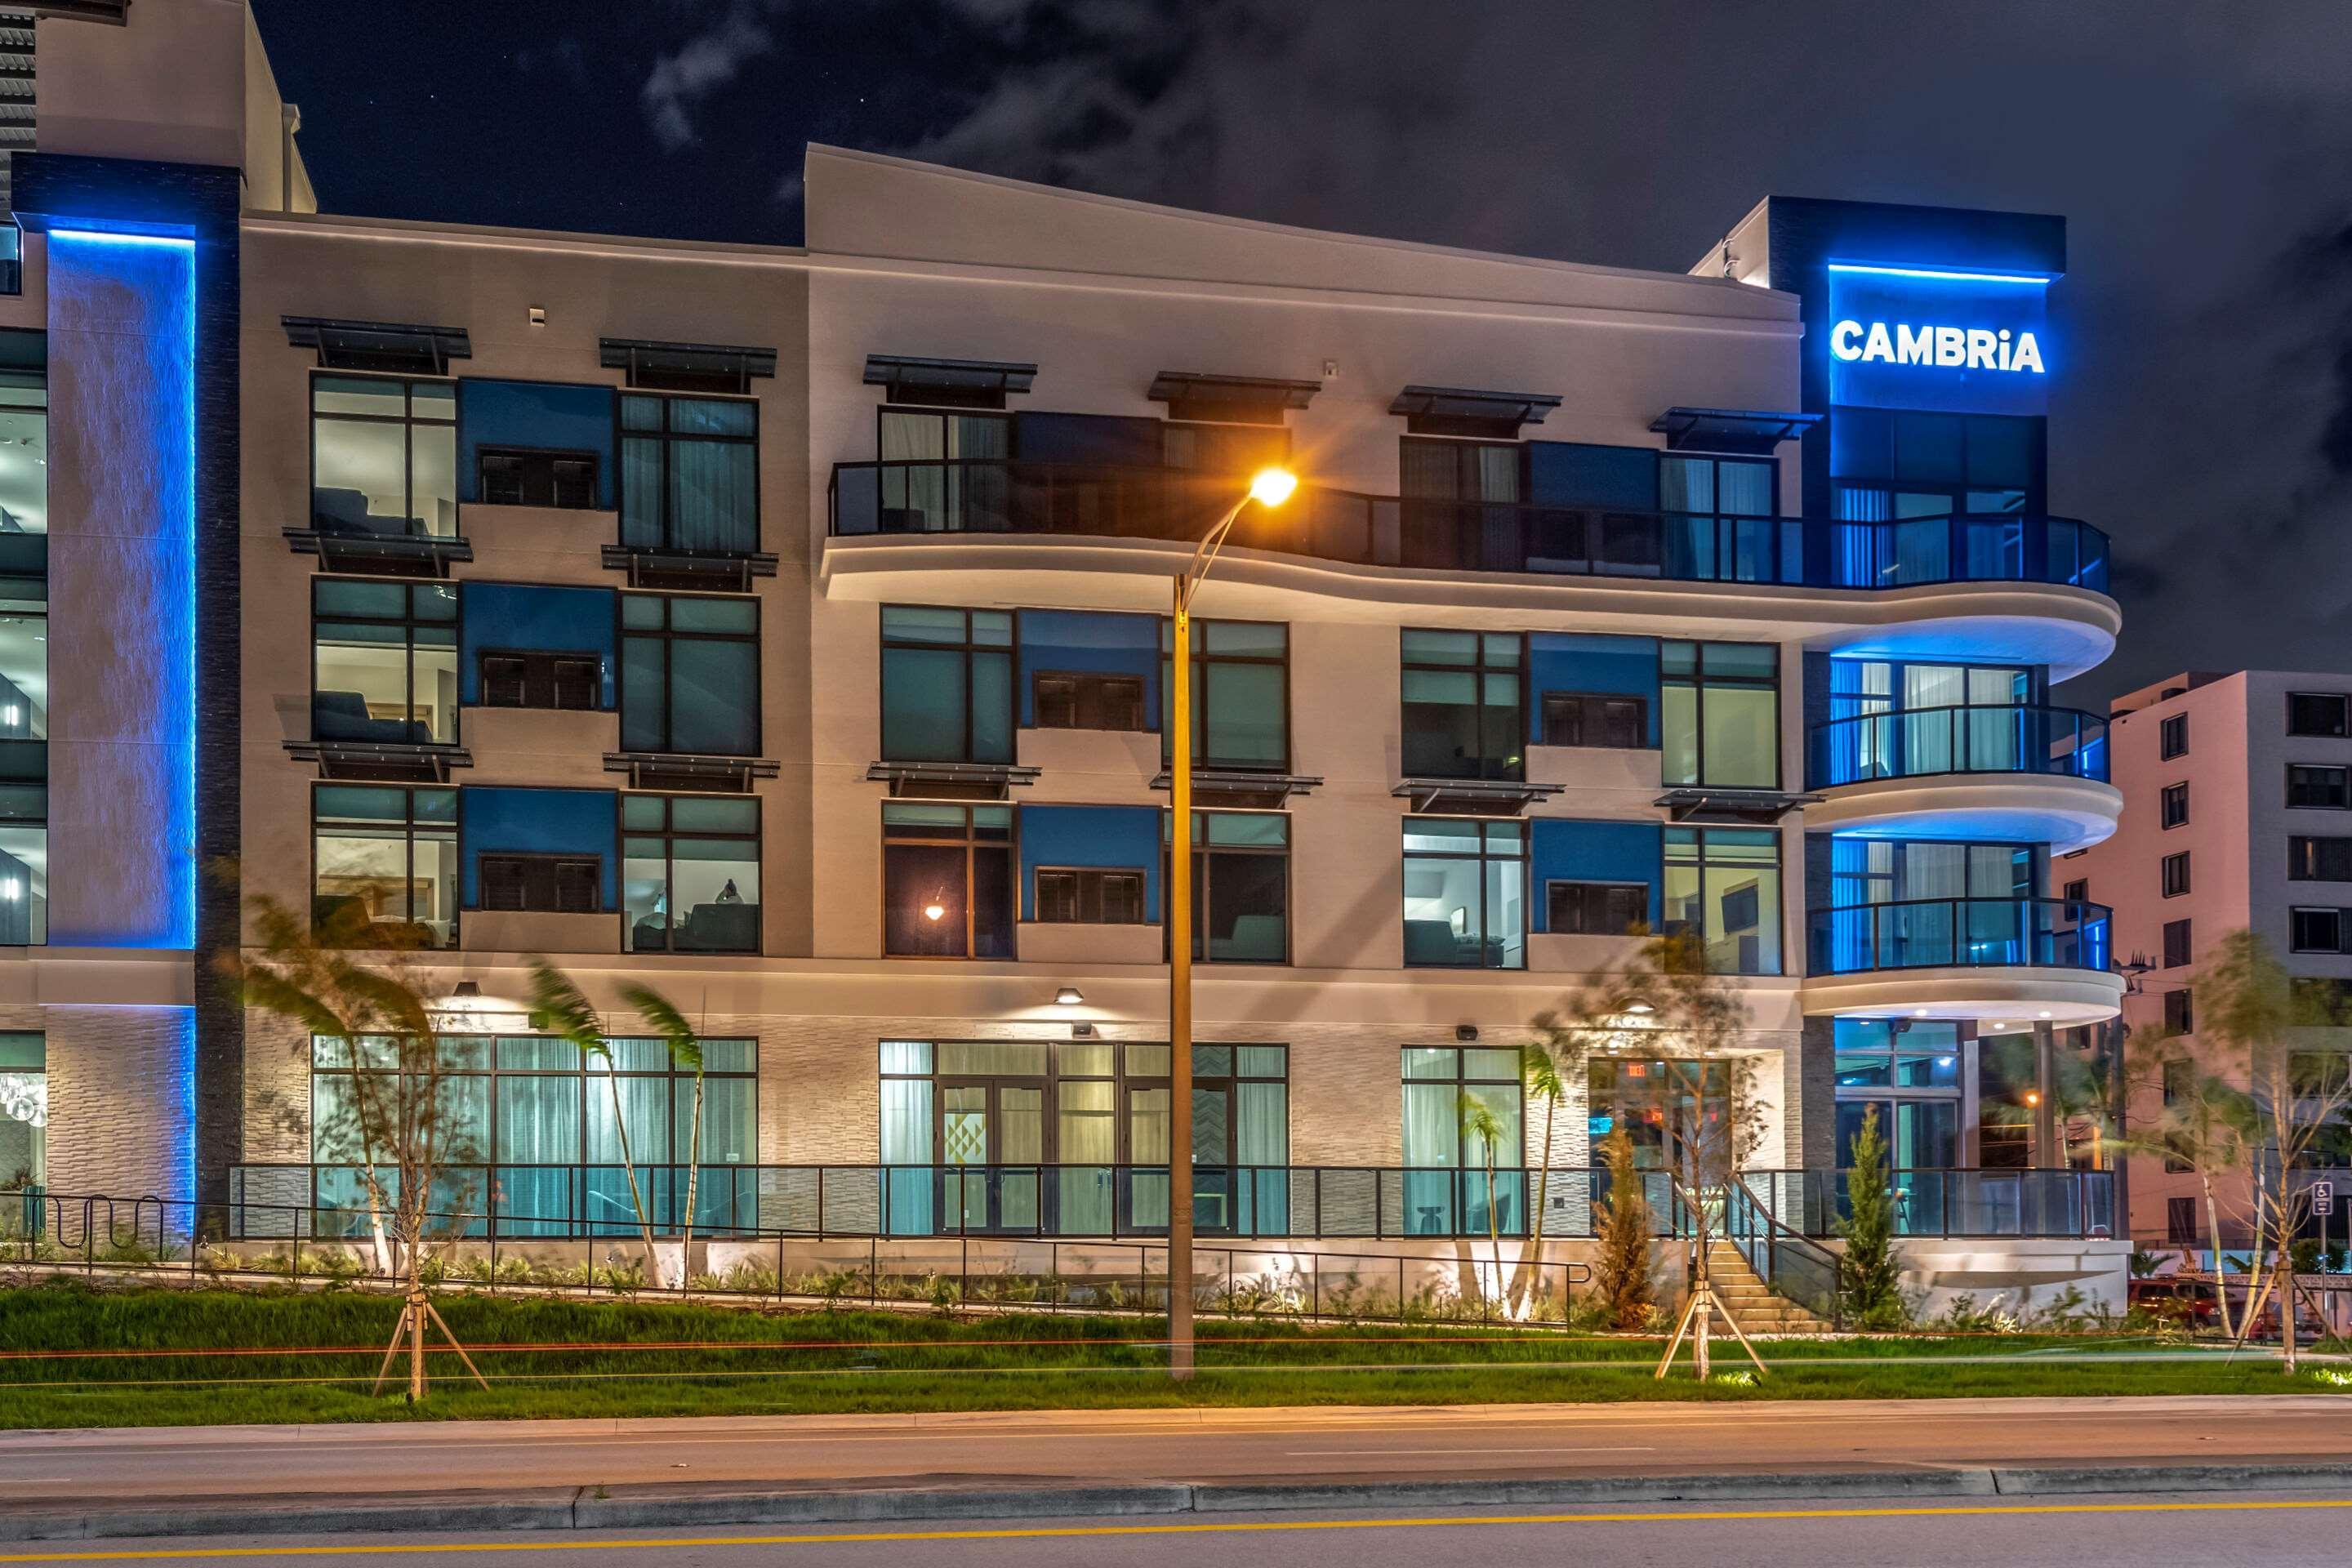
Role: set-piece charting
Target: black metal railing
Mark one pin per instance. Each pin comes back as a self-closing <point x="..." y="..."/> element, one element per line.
<point x="998" y="496"/>
<point x="1950" y="1202"/>
<point x="1977" y="933"/>
<point x="1975" y="738"/>
<point x="1793" y="1264"/>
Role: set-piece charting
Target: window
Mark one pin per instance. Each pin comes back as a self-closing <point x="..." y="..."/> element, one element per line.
<point x="2180" y="1018"/>
<point x="1462" y="705"/>
<point x="24" y="452"/>
<point x="1721" y="714"/>
<point x="2308" y="931"/>
<point x="2172" y="737"/>
<point x="2176" y="875"/>
<point x="24" y="1112"/>
<point x="546" y="884"/>
<point x="532" y="1141"/>
<point x="942" y="471"/>
<point x="946" y="880"/>
<point x="561" y="680"/>
<point x="2319" y="859"/>
<point x="24" y="668"/>
<point x="2326" y="787"/>
<point x="2175" y="943"/>
<point x="384" y="662"/>
<point x="947" y="685"/>
<point x="1462" y="1111"/>
<point x="1891" y="465"/>
<point x="385" y="864"/>
<point x="2181" y="1220"/>
<point x="1240" y="695"/>
<point x="690" y="873"/>
<point x="2172" y="806"/>
<point x="1595" y="719"/>
<point x="1238" y="450"/>
<point x="1464" y="894"/>
<point x="689" y="474"/>
<point x="690" y="675"/>
<point x="24" y="865"/>
<point x="1723" y="884"/>
<point x="1087" y="895"/>
<point x="383" y="456"/>
<point x="1084" y="701"/>
<point x="2315" y="713"/>
<point x="1911" y="1077"/>
<point x="1596" y="909"/>
<point x="1662" y="1105"/>
<point x="513" y="478"/>
<point x="2077" y="892"/>
<point x="2318" y="1075"/>
<point x="1241" y="886"/>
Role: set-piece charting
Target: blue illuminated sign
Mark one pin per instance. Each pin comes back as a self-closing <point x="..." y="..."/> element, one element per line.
<point x="1916" y="337"/>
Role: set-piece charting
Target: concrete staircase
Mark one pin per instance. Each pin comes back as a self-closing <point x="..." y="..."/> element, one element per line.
<point x="1751" y="1301"/>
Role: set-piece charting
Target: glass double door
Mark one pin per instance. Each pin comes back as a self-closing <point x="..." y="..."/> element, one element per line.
<point x="991" y="1154"/>
<point x="1010" y="1163"/>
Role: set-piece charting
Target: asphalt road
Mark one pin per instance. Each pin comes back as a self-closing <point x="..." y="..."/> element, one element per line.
<point x="1205" y="1445"/>
<point x="2080" y="1532"/>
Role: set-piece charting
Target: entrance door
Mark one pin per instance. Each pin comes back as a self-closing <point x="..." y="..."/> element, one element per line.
<point x="1147" y="1142"/>
<point x="991" y="1145"/>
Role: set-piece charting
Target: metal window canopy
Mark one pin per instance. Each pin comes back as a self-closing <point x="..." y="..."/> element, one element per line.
<point x="1752" y="807"/>
<point x="951" y="781"/>
<point x="709" y="570"/>
<point x="1235" y="788"/>
<point x="1230" y="399"/>
<point x="379" y="761"/>
<point x="719" y="364"/>
<point x="680" y="771"/>
<point x="1745" y="432"/>
<point x="963" y="382"/>
<point x="379" y="346"/>
<point x="112" y="11"/>
<point x="1473" y="797"/>
<point x="380" y="555"/>
<point x="1464" y="410"/>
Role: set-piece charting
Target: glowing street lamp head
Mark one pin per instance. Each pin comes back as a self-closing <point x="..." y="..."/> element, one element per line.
<point x="1272" y="487"/>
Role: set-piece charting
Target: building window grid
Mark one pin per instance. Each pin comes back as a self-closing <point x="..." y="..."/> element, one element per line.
<point x="1233" y="840"/>
<point x="1253" y="655"/>
<point x="2178" y="949"/>
<point x="1695" y="677"/>
<point x="357" y="813"/>
<point x="700" y="830"/>
<point x="1477" y="680"/>
<point x="359" y="616"/>
<point x="655" y="430"/>
<point x="2175" y="870"/>
<point x="2172" y="806"/>
<point x="2321" y="714"/>
<point x="427" y="420"/>
<point x="657" y="710"/>
<point x="1697" y="860"/>
<point x="2172" y="737"/>
<point x="1496" y="855"/>
<point x="915" y="640"/>
<point x="981" y="839"/>
<point x="2318" y="786"/>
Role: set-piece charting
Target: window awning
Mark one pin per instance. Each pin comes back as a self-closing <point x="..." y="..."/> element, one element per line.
<point x="1230" y="399"/>
<point x="379" y="346"/>
<point x="707" y="775"/>
<point x="1263" y="791"/>
<point x="961" y="383"/>
<point x="1741" y="431"/>
<point x="685" y="367"/>
<point x="1473" y="797"/>
<point x="951" y="781"/>
<point x="1464" y="410"/>
<point x="1754" y="807"/>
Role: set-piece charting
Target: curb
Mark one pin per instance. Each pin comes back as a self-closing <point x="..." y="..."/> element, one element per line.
<point x="661" y="1507"/>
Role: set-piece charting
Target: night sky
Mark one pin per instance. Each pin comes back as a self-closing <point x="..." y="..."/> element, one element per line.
<point x="2201" y="152"/>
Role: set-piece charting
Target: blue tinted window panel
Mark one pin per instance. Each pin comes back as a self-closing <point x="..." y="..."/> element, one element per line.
<point x="539" y="415"/>
<point x="537" y="822"/>
<point x="1573" y="851"/>
<point x="1111" y="837"/>
<point x="531" y="619"/>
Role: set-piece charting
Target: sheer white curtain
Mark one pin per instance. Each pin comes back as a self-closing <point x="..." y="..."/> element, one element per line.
<point x="1929" y="736"/>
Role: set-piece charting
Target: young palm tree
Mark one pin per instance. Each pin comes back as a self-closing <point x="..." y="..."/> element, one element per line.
<point x="1479" y="1122"/>
<point x="1539" y="1071"/>
<point x="685" y="1048"/>
<point x="558" y="1007"/>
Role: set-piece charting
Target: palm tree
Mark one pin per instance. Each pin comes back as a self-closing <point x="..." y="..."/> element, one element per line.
<point x="558" y="1006"/>
<point x="685" y="1048"/>
<point x="1479" y="1122"/>
<point x="1539" y="1070"/>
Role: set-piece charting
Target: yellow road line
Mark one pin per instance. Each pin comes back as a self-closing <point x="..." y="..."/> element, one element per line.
<point x="1238" y="1527"/>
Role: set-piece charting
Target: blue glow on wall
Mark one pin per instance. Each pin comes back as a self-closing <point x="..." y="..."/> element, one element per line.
<point x="122" y="833"/>
<point x="1958" y="343"/>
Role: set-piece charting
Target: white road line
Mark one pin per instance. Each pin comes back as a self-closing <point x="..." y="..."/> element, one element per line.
<point x="1406" y="1453"/>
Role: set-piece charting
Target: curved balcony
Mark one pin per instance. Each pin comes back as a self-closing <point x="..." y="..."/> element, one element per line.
<point x="2000" y="773"/>
<point x="2038" y="960"/>
<point x="998" y="496"/>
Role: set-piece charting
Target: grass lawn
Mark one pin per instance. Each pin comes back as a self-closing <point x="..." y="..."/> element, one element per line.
<point x="168" y="1357"/>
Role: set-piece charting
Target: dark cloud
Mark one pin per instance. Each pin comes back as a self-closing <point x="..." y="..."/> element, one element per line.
<point x="2203" y="411"/>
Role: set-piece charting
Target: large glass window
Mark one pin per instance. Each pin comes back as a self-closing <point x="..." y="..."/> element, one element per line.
<point x="690" y="675"/>
<point x="383" y="456"/>
<point x="1723" y="885"/>
<point x="24" y="865"/>
<point x="1913" y="1077"/>
<point x="946" y="880"/>
<point x="1240" y="695"/>
<point x="1465" y="893"/>
<point x="23" y="677"/>
<point x="942" y="469"/>
<point x="24" y="1112"/>
<point x="1895" y="720"/>
<point x="23" y="452"/>
<point x="1241" y="886"/>
<point x="539" y="1120"/>
<point x="1463" y="715"/>
<point x="1721" y="520"/>
<point x="1462" y="1112"/>
<point x="392" y="853"/>
<point x="690" y="873"/>
<point x="1891" y="464"/>
<point x="384" y="667"/>
<point x="947" y="685"/>
<point x="1669" y="1108"/>
<point x="1720" y="709"/>
<point x="690" y="473"/>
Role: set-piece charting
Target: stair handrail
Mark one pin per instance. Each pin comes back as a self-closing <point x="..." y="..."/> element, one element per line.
<point x="1772" y="1238"/>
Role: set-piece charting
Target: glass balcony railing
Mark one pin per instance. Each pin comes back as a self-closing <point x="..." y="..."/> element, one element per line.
<point x="999" y="496"/>
<point x="1966" y="934"/>
<point x="1919" y="743"/>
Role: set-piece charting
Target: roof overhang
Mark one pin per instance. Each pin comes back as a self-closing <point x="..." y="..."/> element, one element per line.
<point x="1230" y="399"/>
<point x="1465" y="411"/>
<point x="1738" y="430"/>
<point x="379" y="346"/>
<point x="966" y="383"/>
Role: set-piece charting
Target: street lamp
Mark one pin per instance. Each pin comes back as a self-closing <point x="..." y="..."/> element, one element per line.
<point x="1268" y="488"/>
